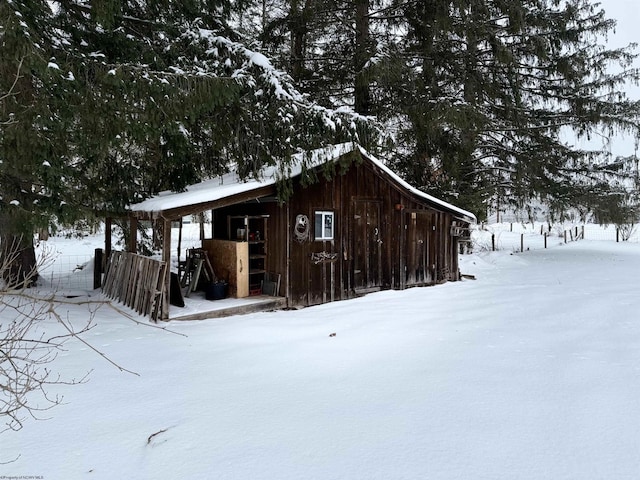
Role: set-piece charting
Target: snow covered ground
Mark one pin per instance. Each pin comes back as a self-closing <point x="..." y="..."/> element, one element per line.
<point x="530" y="372"/>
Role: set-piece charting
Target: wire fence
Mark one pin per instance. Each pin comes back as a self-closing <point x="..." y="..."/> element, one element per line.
<point x="67" y="272"/>
<point x="63" y="272"/>
<point x="538" y="235"/>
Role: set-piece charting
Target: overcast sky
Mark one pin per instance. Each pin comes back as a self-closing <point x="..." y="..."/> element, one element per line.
<point x="627" y="15"/>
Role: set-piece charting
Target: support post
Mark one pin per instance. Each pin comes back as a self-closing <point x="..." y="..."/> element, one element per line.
<point x="521" y="242"/>
<point x="545" y="239"/>
<point x="179" y="240"/>
<point x="288" y="258"/>
<point x="166" y="257"/>
<point x="493" y="242"/>
<point x="133" y="234"/>
<point x="565" y="236"/>
<point x="107" y="236"/>
<point x="97" y="268"/>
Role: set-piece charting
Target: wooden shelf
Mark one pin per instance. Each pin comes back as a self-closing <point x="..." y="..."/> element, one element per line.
<point x="251" y="230"/>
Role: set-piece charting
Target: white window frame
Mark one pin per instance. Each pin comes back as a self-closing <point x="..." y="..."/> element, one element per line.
<point x="324" y="215"/>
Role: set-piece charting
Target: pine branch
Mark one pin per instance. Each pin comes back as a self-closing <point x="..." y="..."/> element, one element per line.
<point x="12" y="91"/>
<point x="88" y="9"/>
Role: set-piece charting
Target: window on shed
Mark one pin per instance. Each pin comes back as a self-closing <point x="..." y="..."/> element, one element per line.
<point x="324" y="226"/>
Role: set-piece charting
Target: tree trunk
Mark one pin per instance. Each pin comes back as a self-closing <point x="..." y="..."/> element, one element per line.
<point x="298" y="29"/>
<point x="18" y="264"/>
<point x="362" y="98"/>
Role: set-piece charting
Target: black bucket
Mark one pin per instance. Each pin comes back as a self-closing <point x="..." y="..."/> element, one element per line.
<point x="216" y="291"/>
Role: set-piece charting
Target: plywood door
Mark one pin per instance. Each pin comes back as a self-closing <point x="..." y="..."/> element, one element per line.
<point x="230" y="261"/>
<point x="367" y="244"/>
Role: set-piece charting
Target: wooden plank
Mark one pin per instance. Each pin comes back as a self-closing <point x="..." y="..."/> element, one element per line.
<point x="149" y="272"/>
<point x="136" y="282"/>
<point x="136" y="266"/>
<point x="165" y="286"/>
<point x="142" y="297"/>
<point x="151" y="286"/>
<point x="161" y="297"/>
<point x="123" y="278"/>
<point x="117" y="273"/>
<point x="131" y="265"/>
<point x="140" y="285"/>
<point x="193" y="284"/>
<point x="108" y="275"/>
<point x="187" y="270"/>
<point x="270" y="303"/>
<point x="112" y="273"/>
<point x="209" y="266"/>
<point x="143" y="305"/>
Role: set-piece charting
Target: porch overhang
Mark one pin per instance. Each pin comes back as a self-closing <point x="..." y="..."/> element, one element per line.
<point x="171" y="214"/>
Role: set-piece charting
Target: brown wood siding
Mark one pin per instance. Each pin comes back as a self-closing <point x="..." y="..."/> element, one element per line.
<point x="384" y="237"/>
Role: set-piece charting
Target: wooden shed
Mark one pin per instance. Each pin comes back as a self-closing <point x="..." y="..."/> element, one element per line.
<point x="359" y="230"/>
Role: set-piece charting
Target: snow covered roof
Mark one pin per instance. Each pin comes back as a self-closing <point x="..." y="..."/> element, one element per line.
<point x="230" y="184"/>
<point x="447" y="206"/>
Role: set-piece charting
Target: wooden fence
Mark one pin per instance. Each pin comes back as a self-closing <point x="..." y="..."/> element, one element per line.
<point x="136" y="282"/>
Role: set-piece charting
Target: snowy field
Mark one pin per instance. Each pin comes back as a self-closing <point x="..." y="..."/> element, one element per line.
<point x="532" y="371"/>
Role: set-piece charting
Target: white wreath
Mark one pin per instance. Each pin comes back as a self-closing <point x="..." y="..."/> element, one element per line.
<point x="301" y="229"/>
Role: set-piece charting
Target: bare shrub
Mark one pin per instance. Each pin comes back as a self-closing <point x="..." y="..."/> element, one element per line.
<point x="626" y="230"/>
<point x="481" y="244"/>
<point x="26" y="350"/>
<point x="33" y="331"/>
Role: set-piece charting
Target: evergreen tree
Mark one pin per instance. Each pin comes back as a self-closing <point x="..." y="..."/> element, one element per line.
<point x="476" y="95"/>
<point x="107" y="102"/>
<point x="492" y="86"/>
<point x="327" y="46"/>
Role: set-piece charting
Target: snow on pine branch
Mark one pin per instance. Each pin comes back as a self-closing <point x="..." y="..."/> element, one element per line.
<point x="255" y="69"/>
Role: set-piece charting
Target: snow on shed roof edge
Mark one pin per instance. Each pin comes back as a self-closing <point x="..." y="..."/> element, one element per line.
<point x="229" y="184"/>
<point x="415" y="191"/>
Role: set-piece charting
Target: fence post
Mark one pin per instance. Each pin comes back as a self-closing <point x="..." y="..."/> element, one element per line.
<point x="582" y="232"/>
<point x="617" y="234"/>
<point x="493" y="242"/>
<point x="521" y="242"/>
<point x="541" y="229"/>
<point x="576" y="233"/>
<point x="545" y="239"/>
<point x="565" y="236"/>
<point x="511" y="227"/>
<point x="97" y="268"/>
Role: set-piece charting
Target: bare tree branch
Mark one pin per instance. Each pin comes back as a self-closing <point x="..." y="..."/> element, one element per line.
<point x="26" y="349"/>
<point x="28" y="345"/>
